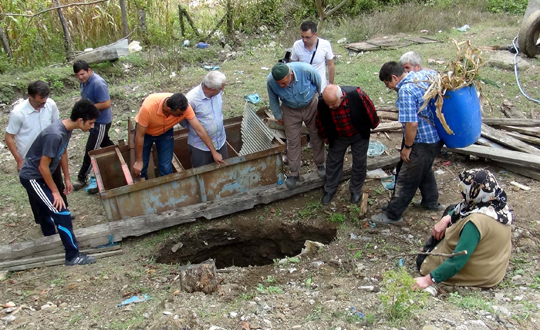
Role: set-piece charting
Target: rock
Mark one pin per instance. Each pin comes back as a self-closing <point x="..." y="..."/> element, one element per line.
<point x="63" y="305"/>
<point x="367" y="288"/>
<point x="478" y="324"/>
<point x="9" y="318"/>
<point x="430" y="327"/>
<point x="146" y="315"/>
<point x="199" y="277"/>
<point x="432" y="291"/>
<point x="518" y="298"/>
<point x="9" y="304"/>
<point x="233" y="314"/>
<point x="216" y="328"/>
<point x="505" y="60"/>
<point x="167" y="313"/>
<point x="317" y="264"/>
<point x="502" y="310"/>
<point x="3" y="273"/>
<point x="176" y="247"/>
<point x="342" y="40"/>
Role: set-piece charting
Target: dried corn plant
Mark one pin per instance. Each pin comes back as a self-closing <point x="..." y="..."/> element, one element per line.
<point x="460" y="73"/>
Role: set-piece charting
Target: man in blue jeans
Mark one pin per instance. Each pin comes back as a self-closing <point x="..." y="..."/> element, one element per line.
<point x="48" y="151"/>
<point x="421" y="143"/>
<point x="94" y="88"/>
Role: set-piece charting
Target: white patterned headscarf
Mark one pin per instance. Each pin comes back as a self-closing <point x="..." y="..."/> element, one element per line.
<point x="482" y="194"/>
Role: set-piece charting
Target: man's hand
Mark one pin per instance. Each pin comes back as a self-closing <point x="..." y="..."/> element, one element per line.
<point x="58" y="202"/>
<point x="281" y="121"/>
<point x="405" y="154"/>
<point x="69" y="186"/>
<point x="440" y="228"/>
<point x="137" y="168"/>
<point x="20" y="164"/>
<point x="422" y="282"/>
<point x="218" y="158"/>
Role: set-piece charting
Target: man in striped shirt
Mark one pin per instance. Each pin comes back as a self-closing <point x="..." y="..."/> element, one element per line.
<point x="345" y="116"/>
<point x="421" y="143"/>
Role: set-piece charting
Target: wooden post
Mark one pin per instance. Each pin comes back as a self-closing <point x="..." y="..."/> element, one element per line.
<point x="142" y="20"/>
<point x="5" y="43"/>
<point x="123" y="10"/>
<point x="181" y="18"/>
<point x="67" y="36"/>
<point x="229" y="17"/>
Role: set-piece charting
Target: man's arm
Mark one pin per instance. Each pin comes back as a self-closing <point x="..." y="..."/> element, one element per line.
<point x="410" y="135"/>
<point x="65" y="168"/>
<point x="103" y="105"/>
<point x="274" y="100"/>
<point x="44" y="163"/>
<point x="10" y="142"/>
<point x="331" y="70"/>
<point x="199" y="129"/>
<point x="139" y="142"/>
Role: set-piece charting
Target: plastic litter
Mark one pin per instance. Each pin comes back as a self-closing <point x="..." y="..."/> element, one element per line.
<point x="376" y="148"/>
<point x="357" y="313"/>
<point x="376" y="174"/>
<point x="134" y="300"/>
<point x="464" y="28"/>
<point x="252" y="98"/>
<point x="202" y="45"/>
<point x="389" y="182"/>
<point x="211" y="68"/>
<point x="353" y="236"/>
<point x="185" y="43"/>
<point x="92" y="186"/>
<point x="134" y="46"/>
<point x="372" y="224"/>
<point x="401" y="262"/>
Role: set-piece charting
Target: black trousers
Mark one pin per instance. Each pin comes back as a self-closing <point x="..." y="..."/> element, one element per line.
<point x="416" y="174"/>
<point x="334" y="163"/>
<point x="201" y="157"/>
<point x="59" y="182"/>
<point x="98" y="138"/>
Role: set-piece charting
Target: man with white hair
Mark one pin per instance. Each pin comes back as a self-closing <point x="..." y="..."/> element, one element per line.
<point x="411" y="61"/>
<point x="206" y="101"/>
<point x="345" y="117"/>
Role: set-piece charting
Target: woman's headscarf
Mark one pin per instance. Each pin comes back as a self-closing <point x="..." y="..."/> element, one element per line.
<point x="482" y="194"/>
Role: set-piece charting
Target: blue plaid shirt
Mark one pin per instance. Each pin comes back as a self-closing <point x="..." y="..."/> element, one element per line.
<point x="410" y="100"/>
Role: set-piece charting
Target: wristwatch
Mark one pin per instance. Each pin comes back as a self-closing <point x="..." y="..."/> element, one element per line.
<point x="407" y="147"/>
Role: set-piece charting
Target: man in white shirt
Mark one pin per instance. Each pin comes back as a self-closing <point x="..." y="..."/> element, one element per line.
<point x="26" y="121"/>
<point x="206" y="101"/>
<point x="315" y="51"/>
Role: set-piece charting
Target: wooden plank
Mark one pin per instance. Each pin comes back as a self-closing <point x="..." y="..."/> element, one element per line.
<point x="131" y="144"/>
<point x="391" y="108"/>
<point x="176" y="164"/>
<point x="12" y="263"/>
<point x="500" y="155"/>
<point x="97" y="173"/>
<point x="520" y="186"/>
<point x="523" y="171"/>
<point x="60" y="261"/>
<point x="485" y="142"/>
<point x="525" y="138"/>
<point x="391" y="115"/>
<point x="521" y="122"/>
<point x="532" y="131"/>
<point x="504" y="139"/>
<point x="392" y="126"/>
<point x="125" y="169"/>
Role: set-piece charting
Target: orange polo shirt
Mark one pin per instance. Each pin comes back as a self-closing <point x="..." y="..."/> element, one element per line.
<point x="151" y="115"/>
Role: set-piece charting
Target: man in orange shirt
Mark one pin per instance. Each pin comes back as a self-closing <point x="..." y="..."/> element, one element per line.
<point x="155" y="121"/>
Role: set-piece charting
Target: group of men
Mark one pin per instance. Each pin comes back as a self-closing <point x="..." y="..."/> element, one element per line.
<point x="299" y="92"/>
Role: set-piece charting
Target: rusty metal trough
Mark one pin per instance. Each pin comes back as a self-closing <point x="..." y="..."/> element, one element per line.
<point x="123" y="197"/>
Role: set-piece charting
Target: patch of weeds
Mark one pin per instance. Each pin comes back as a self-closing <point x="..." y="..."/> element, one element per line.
<point x="279" y="212"/>
<point x="308" y="283"/>
<point x="270" y="279"/>
<point x="525" y="312"/>
<point x="127" y="324"/>
<point x="269" y="289"/>
<point x="75" y="318"/>
<point x="472" y="302"/>
<point x="536" y="284"/>
<point x="311" y="210"/>
<point x="316" y="313"/>
<point x="355" y="318"/>
<point x="357" y="255"/>
<point x="380" y="190"/>
<point x="58" y="282"/>
<point x="336" y="218"/>
<point x="398" y="297"/>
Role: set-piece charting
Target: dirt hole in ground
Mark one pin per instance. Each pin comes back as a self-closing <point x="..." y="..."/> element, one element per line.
<point x="244" y="246"/>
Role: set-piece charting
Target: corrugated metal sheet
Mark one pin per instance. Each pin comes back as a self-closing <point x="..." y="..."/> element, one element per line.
<point x="256" y="136"/>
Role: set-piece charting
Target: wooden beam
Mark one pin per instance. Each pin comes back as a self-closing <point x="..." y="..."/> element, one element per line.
<point x="504" y="139"/>
<point x="392" y="126"/>
<point x="125" y="168"/>
<point x="97" y="173"/>
<point x="525" y="138"/>
<point x="521" y="122"/>
<point x="136" y="226"/>
<point x="176" y="164"/>
<point x="485" y="142"/>
<point x="390" y="108"/>
<point x="387" y="115"/>
<point x="523" y="171"/>
<point x="532" y="131"/>
<point x="500" y="155"/>
<point x="59" y="261"/>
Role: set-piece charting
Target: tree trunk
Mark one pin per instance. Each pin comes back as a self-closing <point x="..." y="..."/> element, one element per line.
<point x="123" y="10"/>
<point x="67" y="36"/>
<point x="5" y="43"/>
<point x="181" y="18"/>
<point x="229" y="17"/>
<point x="142" y="21"/>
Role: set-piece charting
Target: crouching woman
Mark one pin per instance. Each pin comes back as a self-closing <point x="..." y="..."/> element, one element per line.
<point x="481" y="225"/>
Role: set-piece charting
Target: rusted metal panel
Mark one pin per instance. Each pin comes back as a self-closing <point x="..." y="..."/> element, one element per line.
<point x="187" y="187"/>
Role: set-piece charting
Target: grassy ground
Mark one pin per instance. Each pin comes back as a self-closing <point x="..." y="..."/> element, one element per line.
<point x="91" y="293"/>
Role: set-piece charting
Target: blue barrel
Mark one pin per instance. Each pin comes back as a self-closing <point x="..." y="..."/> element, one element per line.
<point x="461" y="109"/>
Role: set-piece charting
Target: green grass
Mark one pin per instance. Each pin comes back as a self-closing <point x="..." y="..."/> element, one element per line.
<point x="472" y="302"/>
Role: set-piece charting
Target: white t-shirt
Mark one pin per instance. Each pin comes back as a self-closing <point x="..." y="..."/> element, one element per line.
<point x="323" y="54"/>
<point x="26" y="123"/>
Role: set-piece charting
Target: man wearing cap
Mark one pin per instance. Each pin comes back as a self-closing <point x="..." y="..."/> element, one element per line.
<point x="297" y="85"/>
<point x="345" y="118"/>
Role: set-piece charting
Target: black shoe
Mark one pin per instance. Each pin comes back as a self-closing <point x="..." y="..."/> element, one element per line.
<point x="439" y="206"/>
<point x="384" y="206"/>
<point x="291" y="181"/>
<point x="355" y="198"/>
<point x="81" y="259"/>
<point x="327" y="198"/>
